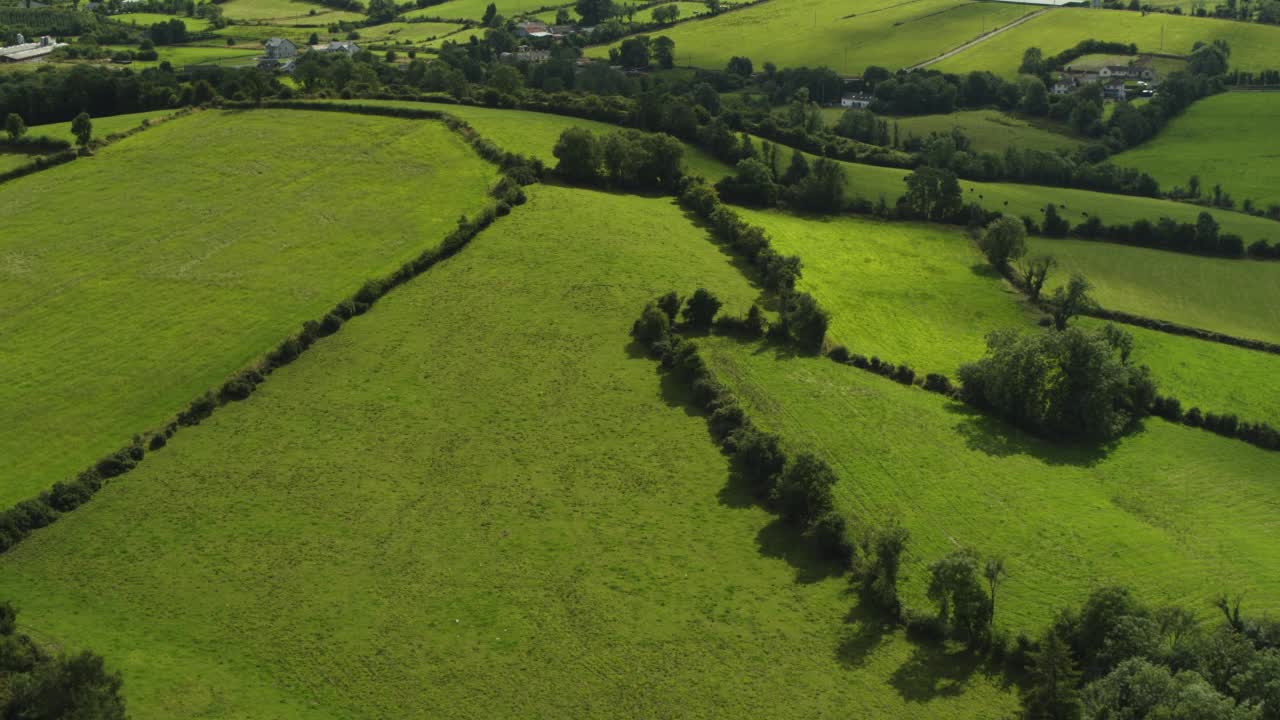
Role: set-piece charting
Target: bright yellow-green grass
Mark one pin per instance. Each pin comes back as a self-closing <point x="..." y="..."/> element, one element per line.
<point x="194" y="24"/>
<point x="102" y="126"/>
<point x="1227" y="139"/>
<point x="181" y="55"/>
<point x="846" y="37"/>
<point x="213" y="237"/>
<point x="253" y="36"/>
<point x="1178" y="514"/>
<point x="990" y="130"/>
<point x="1212" y="376"/>
<point x="478" y="500"/>
<point x="923" y="295"/>
<point x="915" y="294"/>
<point x="1237" y="297"/>
<point x="535" y="134"/>
<point x="295" y="10"/>
<point x="1253" y="46"/>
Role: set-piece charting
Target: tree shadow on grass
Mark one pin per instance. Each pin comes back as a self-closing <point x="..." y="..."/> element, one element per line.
<point x="985" y="270"/>
<point x="997" y="438"/>
<point x="864" y="632"/>
<point x="933" y="671"/>
<point x="780" y="540"/>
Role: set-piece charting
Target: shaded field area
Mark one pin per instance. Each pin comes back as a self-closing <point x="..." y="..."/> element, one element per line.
<point x="477" y="500"/>
<point x="1178" y="514"/>
<point x="225" y="232"/>
<point x="1253" y="46"/>
<point x="989" y="130"/>
<point x="1226" y="140"/>
<point x="847" y="37"/>
<point x="1237" y="297"/>
<point x="102" y="127"/>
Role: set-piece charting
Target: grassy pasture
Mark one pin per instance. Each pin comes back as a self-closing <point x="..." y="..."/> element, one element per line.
<point x="1227" y="139"/>
<point x="180" y="55"/>
<point x="13" y="161"/>
<point x="475" y="501"/>
<point x="194" y="24"/>
<point x="102" y="127"/>
<point x="298" y="10"/>
<point x="397" y="32"/>
<point x="1253" y="46"/>
<point x="1018" y="199"/>
<point x="846" y="37"/>
<point x="253" y="36"/>
<point x="990" y="130"/>
<point x="1238" y="297"/>
<point x="474" y="9"/>
<point x="1176" y="513"/>
<point x="923" y="295"/>
<point x="919" y="294"/>
<point x="535" y="134"/>
<point x="1214" y="377"/>
<point x="225" y="233"/>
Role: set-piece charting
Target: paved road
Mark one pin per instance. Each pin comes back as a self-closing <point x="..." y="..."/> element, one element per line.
<point x="978" y="40"/>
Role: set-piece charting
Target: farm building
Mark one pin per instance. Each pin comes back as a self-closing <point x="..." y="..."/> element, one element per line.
<point x="859" y="101"/>
<point x="345" y="46"/>
<point x="23" y="52"/>
<point x="524" y="53"/>
<point x="280" y="48"/>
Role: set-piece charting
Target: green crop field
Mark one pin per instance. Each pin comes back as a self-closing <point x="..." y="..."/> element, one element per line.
<point x="102" y="127"/>
<point x="1253" y="46"/>
<point x="194" y="24"/>
<point x="845" y="37"/>
<point x="478" y="500"/>
<point x="1176" y="513"/>
<point x="1226" y="140"/>
<point x="1237" y="297"/>
<point x="213" y="237"/>
<point x="298" y="10"/>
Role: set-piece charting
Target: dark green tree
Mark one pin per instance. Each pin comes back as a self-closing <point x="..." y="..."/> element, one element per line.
<point x="701" y="308"/>
<point x="1035" y="272"/>
<point x="803" y="491"/>
<point x="664" y="50"/>
<point x="806" y="321"/>
<point x="594" y="12"/>
<point x="955" y="586"/>
<point x="653" y="326"/>
<point x="14" y="126"/>
<point x="1052" y="694"/>
<point x="1005" y="239"/>
<point x="1070" y="301"/>
<point x="670" y="304"/>
<point x="578" y="154"/>
<point x="82" y="128"/>
<point x="68" y="687"/>
<point x="490" y="11"/>
<point x="933" y="194"/>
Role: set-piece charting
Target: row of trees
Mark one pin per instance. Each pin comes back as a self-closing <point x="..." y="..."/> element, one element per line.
<point x="1203" y="237"/>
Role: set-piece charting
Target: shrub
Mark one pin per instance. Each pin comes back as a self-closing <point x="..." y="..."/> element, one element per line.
<point x="701" y="308"/>
<point x="840" y="354"/>
<point x="157" y="441"/>
<point x="652" y="327"/>
<point x="933" y="382"/>
<point x="803" y="491"/>
<point x="199" y="409"/>
<point x="758" y="458"/>
<point x="830" y="536"/>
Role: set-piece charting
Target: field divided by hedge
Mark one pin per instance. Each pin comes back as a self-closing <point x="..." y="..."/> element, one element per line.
<point x="163" y="294"/>
<point x="477" y="499"/>
<point x="1176" y="513"/>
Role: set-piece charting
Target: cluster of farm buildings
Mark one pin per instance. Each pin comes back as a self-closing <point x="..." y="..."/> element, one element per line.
<point x="1118" y="81"/>
<point x="25" y="51"/>
<point x="282" y="53"/>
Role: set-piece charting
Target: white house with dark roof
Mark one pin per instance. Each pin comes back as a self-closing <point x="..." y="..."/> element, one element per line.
<point x="280" y="48"/>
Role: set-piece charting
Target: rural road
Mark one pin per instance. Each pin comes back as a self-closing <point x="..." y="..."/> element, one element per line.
<point x="977" y="40"/>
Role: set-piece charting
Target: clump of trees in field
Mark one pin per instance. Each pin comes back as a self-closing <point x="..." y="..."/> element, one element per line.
<point x="1071" y="382"/>
<point x="627" y="159"/>
<point x="35" y="685"/>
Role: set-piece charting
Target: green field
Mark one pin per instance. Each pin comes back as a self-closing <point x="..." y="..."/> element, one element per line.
<point x="1226" y="139"/>
<point x="12" y="161"/>
<point x="535" y="134"/>
<point x="417" y="33"/>
<point x="1212" y="376"/>
<point x="102" y="127"/>
<point x="915" y="294"/>
<point x="1175" y="513"/>
<point x="1162" y="65"/>
<point x="871" y="182"/>
<point x="1253" y="46"/>
<point x="846" y="37"/>
<point x="1237" y="297"/>
<point x="225" y="233"/>
<point x="298" y="10"/>
<point x="194" y="24"/>
<point x="989" y="130"/>
<point x="253" y="36"/>
<point x="476" y="501"/>
<point x="182" y="55"/>
<point x="474" y="9"/>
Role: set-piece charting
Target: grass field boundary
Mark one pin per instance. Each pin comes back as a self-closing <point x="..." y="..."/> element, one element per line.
<point x="17" y="522"/>
<point x="64" y="156"/>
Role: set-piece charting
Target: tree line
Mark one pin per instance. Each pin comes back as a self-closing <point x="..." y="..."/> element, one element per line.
<point x="38" y="685"/>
